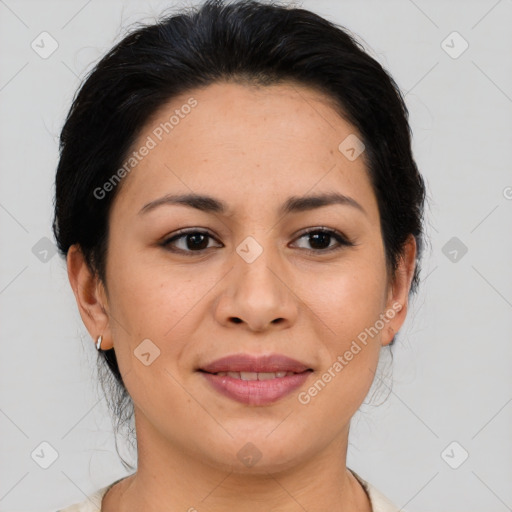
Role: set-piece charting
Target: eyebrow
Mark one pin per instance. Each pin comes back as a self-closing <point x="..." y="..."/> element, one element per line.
<point x="293" y="204"/>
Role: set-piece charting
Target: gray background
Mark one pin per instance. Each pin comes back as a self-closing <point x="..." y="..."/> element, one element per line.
<point x="451" y="377"/>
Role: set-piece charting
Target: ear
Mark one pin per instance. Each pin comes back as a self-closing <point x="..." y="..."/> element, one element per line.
<point x="398" y="295"/>
<point x="90" y="296"/>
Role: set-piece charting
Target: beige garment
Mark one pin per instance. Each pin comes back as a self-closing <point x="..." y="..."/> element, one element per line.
<point x="378" y="501"/>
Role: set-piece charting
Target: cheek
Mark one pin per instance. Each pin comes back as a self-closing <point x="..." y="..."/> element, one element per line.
<point x="157" y="300"/>
<point x="346" y="311"/>
<point x="350" y="299"/>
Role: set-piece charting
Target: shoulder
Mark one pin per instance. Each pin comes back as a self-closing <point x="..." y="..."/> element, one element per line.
<point x="378" y="501"/>
<point x="91" y="504"/>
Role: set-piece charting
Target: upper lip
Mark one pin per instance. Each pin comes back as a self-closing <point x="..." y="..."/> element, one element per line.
<point x="259" y="364"/>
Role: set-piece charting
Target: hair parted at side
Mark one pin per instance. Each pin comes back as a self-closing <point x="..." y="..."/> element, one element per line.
<point x="247" y="42"/>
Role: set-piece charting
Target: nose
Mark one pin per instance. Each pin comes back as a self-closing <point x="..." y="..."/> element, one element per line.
<point x="257" y="296"/>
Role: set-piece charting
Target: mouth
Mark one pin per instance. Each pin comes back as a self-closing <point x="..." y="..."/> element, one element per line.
<point x="255" y="380"/>
<point x="247" y="365"/>
<point x="257" y="375"/>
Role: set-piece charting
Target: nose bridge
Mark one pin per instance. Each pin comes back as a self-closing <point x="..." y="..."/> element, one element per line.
<point x="258" y="267"/>
<point x="256" y="294"/>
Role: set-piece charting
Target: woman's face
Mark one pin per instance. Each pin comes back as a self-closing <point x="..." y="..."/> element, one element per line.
<point x="247" y="279"/>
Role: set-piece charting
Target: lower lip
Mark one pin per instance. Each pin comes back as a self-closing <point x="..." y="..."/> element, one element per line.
<point x="256" y="392"/>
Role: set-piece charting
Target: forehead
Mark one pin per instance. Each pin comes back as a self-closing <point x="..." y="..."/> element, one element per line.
<point x="239" y="140"/>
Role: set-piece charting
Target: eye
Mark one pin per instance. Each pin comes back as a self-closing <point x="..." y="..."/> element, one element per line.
<point x="191" y="241"/>
<point x="196" y="241"/>
<point x="320" y="239"/>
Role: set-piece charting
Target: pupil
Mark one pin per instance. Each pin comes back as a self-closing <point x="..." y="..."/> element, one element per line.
<point x="319" y="236"/>
<point x="196" y="237"/>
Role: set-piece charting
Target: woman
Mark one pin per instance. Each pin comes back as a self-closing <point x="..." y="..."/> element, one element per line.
<point x="241" y="215"/>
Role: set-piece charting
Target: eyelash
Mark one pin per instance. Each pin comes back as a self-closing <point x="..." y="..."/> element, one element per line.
<point x="339" y="237"/>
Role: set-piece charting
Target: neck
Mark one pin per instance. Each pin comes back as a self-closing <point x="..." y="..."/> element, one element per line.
<point x="169" y="478"/>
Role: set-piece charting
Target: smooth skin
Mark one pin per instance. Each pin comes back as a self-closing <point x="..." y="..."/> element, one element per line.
<point x="197" y="300"/>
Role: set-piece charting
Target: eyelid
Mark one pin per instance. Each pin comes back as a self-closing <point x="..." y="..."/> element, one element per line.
<point x="186" y="231"/>
<point x="314" y="229"/>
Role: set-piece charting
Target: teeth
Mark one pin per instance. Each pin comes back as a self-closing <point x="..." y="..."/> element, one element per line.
<point x="267" y="376"/>
<point x="255" y="375"/>
<point x="248" y="376"/>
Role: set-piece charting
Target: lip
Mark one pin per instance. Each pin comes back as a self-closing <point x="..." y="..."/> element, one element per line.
<point x="250" y="363"/>
<point x="256" y="392"/>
